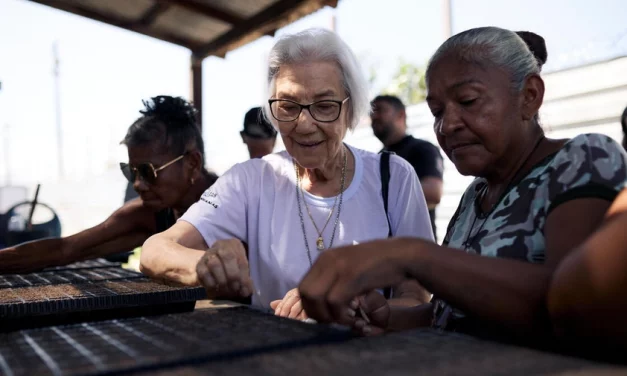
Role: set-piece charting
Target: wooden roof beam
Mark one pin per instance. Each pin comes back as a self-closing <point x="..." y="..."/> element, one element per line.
<point x="152" y="13"/>
<point x="124" y="24"/>
<point x="272" y="13"/>
<point x="205" y="10"/>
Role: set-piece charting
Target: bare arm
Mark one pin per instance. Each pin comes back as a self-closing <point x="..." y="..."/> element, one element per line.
<point x="124" y="230"/>
<point x="587" y="295"/>
<point x="174" y="254"/>
<point x="432" y="189"/>
<point x="508" y="292"/>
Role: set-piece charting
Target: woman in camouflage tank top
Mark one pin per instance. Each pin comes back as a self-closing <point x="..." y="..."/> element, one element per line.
<point x="534" y="200"/>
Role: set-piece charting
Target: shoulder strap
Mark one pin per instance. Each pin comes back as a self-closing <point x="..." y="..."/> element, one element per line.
<point x="385" y="183"/>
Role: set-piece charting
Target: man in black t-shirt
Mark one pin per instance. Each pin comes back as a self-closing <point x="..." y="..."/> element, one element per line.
<point x="389" y="124"/>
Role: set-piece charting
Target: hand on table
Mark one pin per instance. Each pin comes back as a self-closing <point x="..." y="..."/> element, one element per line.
<point x="290" y="306"/>
<point x="372" y="314"/>
<point x="341" y="274"/>
<point x="223" y="270"/>
<point x="371" y="311"/>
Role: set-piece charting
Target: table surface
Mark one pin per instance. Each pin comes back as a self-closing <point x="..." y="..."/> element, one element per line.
<point x="224" y="337"/>
<point x="423" y="351"/>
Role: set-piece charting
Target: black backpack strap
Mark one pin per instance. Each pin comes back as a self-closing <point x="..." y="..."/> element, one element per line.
<point x="385" y="184"/>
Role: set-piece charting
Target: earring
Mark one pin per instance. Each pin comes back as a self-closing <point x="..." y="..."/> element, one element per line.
<point x="192" y="181"/>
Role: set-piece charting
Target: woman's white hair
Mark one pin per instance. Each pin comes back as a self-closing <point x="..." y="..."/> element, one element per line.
<point x="319" y="45"/>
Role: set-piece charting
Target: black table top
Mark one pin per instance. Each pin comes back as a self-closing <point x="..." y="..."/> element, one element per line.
<point x="149" y="343"/>
<point x="418" y="352"/>
<point x="120" y="322"/>
<point x="238" y="341"/>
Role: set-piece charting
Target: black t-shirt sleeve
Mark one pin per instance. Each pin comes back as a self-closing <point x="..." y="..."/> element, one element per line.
<point x="427" y="160"/>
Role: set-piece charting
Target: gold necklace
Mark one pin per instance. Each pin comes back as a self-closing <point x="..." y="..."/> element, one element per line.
<point x="320" y="241"/>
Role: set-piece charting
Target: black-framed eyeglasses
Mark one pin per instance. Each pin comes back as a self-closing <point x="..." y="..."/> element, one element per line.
<point x="325" y="111"/>
<point x="146" y="171"/>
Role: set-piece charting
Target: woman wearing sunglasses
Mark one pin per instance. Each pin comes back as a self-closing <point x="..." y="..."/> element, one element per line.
<point x="291" y="207"/>
<point x="166" y="168"/>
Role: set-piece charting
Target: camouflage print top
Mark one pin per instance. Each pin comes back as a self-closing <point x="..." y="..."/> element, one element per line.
<point x="589" y="165"/>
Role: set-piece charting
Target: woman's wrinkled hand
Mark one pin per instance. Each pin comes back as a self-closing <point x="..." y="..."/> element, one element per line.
<point x="290" y="306"/>
<point x="223" y="270"/>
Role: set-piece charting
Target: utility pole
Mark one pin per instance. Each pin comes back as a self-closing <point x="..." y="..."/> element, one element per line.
<point x="7" y="164"/>
<point x="447" y="18"/>
<point x="57" y="103"/>
<point x="5" y="147"/>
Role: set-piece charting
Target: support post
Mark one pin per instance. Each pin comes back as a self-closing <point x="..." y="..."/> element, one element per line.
<point x="57" y="106"/>
<point x="447" y="18"/>
<point x="196" y="86"/>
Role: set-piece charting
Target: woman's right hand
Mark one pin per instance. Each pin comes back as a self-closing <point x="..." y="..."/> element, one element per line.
<point x="223" y="270"/>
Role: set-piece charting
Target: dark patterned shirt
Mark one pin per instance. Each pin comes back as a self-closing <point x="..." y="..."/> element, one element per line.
<point x="587" y="166"/>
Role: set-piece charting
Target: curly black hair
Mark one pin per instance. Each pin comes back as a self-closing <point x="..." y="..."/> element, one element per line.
<point x="171" y="120"/>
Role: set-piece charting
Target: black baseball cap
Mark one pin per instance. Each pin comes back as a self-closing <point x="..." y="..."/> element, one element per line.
<point x="256" y="125"/>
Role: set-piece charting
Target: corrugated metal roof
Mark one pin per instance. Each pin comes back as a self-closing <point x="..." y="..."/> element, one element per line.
<point x="207" y="27"/>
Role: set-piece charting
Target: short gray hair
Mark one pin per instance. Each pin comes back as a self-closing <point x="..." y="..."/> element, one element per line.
<point x="319" y="45"/>
<point x="519" y="53"/>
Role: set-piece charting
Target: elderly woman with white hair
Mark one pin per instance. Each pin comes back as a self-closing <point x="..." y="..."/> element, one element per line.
<point x="261" y="226"/>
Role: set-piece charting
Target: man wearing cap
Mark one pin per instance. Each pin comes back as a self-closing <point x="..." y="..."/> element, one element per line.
<point x="258" y="135"/>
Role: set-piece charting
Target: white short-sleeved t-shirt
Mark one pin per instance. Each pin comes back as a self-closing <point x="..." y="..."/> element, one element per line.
<point x="255" y="202"/>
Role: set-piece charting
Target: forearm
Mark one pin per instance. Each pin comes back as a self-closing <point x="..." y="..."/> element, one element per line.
<point x="165" y="259"/>
<point x="122" y="243"/>
<point x="432" y="190"/>
<point x="571" y="300"/>
<point x="32" y="256"/>
<point x="586" y="298"/>
<point x="404" y="317"/>
<point x="432" y="199"/>
<point x="507" y="292"/>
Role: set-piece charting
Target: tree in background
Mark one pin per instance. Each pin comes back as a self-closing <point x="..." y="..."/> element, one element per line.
<point x="408" y="83"/>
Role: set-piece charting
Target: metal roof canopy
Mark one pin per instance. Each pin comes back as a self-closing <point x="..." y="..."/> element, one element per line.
<point x="206" y="27"/>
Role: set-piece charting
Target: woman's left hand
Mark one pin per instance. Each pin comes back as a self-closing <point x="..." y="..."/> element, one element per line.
<point x="290" y="306"/>
<point x="372" y="314"/>
<point x="341" y="274"/>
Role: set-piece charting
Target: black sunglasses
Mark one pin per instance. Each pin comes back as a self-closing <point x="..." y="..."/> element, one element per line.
<point x="146" y="171"/>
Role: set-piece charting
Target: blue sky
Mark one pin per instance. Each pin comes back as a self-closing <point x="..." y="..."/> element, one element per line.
<point x="106" y="71"/>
